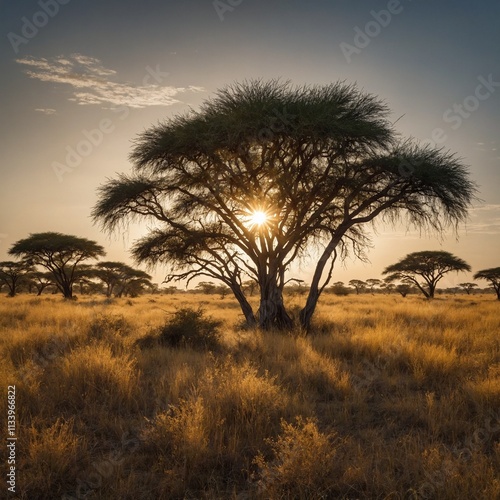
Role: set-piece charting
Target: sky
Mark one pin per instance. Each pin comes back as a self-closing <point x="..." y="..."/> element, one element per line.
<point x="81" y="79"/>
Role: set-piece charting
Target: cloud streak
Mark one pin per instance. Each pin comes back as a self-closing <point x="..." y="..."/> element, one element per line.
<point x="485" y="219"/>
<point x="93" y="83"/>
<point x="46" y="111"/>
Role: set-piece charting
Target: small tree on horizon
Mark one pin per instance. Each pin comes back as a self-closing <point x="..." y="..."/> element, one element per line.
<point x="119" y="278"/>
<point x="61" y="254"/>
<point x="358" y="285"/>
<point x="468" y="287"/>
<point x="41" y="280"/>
<point x="373" y="282"/>
<point x="493" y="276"/>
<point x="430" y="266"/>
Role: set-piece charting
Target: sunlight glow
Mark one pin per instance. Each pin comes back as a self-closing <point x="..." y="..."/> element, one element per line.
<point x="258" y="218"/>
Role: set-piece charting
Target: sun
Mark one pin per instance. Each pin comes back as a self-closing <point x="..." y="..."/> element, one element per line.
<point x="258" y="218"/>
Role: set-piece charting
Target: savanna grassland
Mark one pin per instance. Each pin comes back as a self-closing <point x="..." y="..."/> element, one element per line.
<point x="387" y="398"/>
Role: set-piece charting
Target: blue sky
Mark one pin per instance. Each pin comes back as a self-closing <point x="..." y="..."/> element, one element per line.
<point x="79" y="72"/>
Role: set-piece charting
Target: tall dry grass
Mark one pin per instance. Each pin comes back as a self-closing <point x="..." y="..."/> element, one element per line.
<point x="387" y="398"/>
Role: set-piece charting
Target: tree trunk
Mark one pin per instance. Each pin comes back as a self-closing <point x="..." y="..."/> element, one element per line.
<point x="307" y="312"/>
<point x="67" y="290"/>
<point x="246" y="308"/>
<point x="272" y="312"/>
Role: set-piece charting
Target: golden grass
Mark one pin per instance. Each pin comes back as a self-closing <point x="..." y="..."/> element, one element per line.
<point x="388" y="398"/>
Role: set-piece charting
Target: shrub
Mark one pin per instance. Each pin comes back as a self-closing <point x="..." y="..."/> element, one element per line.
<point x="191" y="328"/>
<point x="304" y="463"/>
<point x="54" y="459"/>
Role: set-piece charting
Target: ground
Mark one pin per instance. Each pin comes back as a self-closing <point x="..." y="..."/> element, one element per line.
<point x="388" y="397"/>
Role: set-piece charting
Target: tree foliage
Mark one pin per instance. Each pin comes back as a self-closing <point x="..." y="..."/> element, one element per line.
<point x="468" y="287"/>
<point x="429" y="266"/>
<point x="12" y="274"/>
<point x="40" y="280"/>
<point x="61" y="254"/>
<point x="493" y="276"/>
<point x="120" y="278"/>
<point x="358" y="285"/>
<point x="315" y="163"/>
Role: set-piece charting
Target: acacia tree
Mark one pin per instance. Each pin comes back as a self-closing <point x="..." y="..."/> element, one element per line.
<point x="493" y="276"/>
<point x="403" y="289"/>
<point x="430" y="266"/>
<point x="373" y="282"/>
<point x="358" y="285"/>
<point x="468" y="287"/>
<point x="119" y="277"/>
<point x="61" y="254"/>
<point x="263" y="173"/>
<point x="40" y="280"/>
<point x="12" y="273"/>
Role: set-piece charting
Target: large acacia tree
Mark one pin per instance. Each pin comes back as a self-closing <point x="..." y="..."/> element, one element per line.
<point x="263" y="173"/>
<point x="425" y="269"/>
<point x="61" y="254"/>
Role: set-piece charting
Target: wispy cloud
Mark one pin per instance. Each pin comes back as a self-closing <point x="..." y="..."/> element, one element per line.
<point x="93" y="83"/>
<point x="484" y="219"/>
<point x="46" y="111"/>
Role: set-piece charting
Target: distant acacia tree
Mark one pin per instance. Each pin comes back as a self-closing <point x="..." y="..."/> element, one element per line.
<point x="468" y="287"/>
<point x="429" y="266"/>
<point x="358" y="285"/>
<point x="120" y="278"/>
<point x="40" y="280"/>
<point x="493" y="276"/>
<point x="338" y="288"/>
<point x="61" y="254"/>
<point x="264" y="173"/>
<point x="249" y="286"/>
<point x="373" y="282"/>
<point x="206" y="287"/>
<point x="388" y="287"/>
<point x="403" y="289"/>
<point x="12" y="273"/>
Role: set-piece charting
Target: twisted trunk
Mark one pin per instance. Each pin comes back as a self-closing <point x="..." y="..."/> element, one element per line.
<point x="246" y="308"/>
<point x="272" y="312"/>
<point x="307" y="312"/>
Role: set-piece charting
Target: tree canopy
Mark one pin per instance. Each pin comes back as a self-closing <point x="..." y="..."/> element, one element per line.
<point x="429" y="266"/>
<point x="120" y="278"/>
<point x="266" y="171"/>
<point x="468" y="287"/>
<point x="61" y="254"/>
<point x="358" y="285"/>
<point x="493" y="276"/>
<point x="12" y="273"/>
